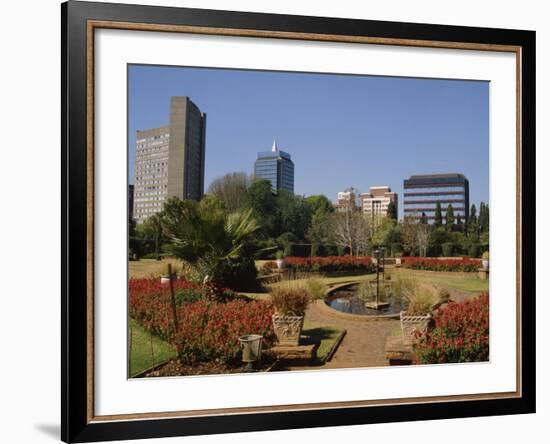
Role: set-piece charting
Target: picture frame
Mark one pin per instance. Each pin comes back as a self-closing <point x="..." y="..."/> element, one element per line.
<point x="80" y="20"/>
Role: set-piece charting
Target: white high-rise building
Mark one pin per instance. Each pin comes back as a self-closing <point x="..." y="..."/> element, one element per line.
<point x="375" y="203"/>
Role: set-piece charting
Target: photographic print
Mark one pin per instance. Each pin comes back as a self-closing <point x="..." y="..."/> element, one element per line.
<point x="292" y="221"/>
<point x="276" y="222"/>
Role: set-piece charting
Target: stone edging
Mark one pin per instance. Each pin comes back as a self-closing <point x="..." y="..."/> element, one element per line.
<point x="322" y="305"/>
<point x="335" y="346"/>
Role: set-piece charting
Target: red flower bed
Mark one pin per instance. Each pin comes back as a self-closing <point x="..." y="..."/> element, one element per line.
<point x="207" y="330"/>
<point x="210" y="331"/>
<point x="330" y="263"/>
<point x="433" y="264"/>
<point x="460" y="334"/>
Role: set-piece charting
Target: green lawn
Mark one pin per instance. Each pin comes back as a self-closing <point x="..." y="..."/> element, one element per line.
<point x="141" y="356"/>
<point x="326" y="335"/>
<point x="147" y="268"/>
<point x="464" y="282"/>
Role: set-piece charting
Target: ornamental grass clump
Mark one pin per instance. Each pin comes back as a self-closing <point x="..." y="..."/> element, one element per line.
<point x="420" y="299"/>
<point x="290" y="299"/>
<point x="316" y="287"/>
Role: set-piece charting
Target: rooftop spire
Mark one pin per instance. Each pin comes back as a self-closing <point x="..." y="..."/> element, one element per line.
<point x="274" y="147"/>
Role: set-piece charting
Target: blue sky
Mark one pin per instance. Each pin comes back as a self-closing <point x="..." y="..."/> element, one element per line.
<point x="340" y="130"/>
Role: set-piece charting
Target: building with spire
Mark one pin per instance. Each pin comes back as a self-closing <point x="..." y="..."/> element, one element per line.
<point x="277" y="167"/>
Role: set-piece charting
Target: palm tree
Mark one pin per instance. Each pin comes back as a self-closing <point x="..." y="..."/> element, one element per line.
<point x="210" y="239"/>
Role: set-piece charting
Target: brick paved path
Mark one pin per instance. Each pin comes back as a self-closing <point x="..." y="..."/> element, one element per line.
<point x="363" y="345"/>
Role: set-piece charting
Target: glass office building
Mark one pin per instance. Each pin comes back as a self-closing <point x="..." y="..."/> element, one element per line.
<point x="277" y="167"/>
<point x="423" y="192"/>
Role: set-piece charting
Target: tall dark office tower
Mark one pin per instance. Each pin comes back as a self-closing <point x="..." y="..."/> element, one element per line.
<point x="423" y="192"/>
<point x="277" y="167"/>
<point x="170" y="159"/>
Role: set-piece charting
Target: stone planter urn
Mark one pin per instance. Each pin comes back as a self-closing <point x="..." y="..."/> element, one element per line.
<point x="251" y="347"/>
<point x="397" y="261"/>
<point x="280" y="263"/>
<point x="287" y="328"/>
<point x="411" y="324"/>
<point x="485" y="263"/>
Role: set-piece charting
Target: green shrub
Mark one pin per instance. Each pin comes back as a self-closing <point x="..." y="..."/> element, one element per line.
<point x="299" y="250"/>
<point x="474" y="250"/>
<point x="447" y="249"/>
<point x="318" y="250"/>
<point x="285" y="242"/>
<point x="239" y="274"/>
<point x="395" y="249"/>
<point x="266" y="248"/>
<point x="343" y="251"/>
<point x="151" y="256"/>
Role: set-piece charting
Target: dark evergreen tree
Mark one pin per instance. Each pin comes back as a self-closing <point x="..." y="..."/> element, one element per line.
<point x="483" y="218"/>
<point x="392" y="211"/>
<point x="423" y="218"/>
<point x="449" y="218"/>
<point x="472" y="222"/>
<point x="438" y="218"/>
<point x="459" y="226"/>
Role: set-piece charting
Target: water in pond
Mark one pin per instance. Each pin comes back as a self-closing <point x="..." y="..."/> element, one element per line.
<point x="346" y="300"/>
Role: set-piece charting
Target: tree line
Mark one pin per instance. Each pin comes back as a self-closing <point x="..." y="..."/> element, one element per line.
<point x="304" y="226"/>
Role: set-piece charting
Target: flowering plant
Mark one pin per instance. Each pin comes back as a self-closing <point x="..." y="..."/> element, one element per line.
<point x="434" y="264"/>
<point x="460" y="334"/>
<point x="207" y="330"/>
<point x="330" y="263"/>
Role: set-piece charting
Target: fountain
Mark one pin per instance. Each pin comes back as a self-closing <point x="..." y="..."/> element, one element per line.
<point x="373" y="298"/>
<point x="377" y="304"/>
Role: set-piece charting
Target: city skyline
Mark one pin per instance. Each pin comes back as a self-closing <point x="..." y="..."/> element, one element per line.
<point x="357" y="131"/>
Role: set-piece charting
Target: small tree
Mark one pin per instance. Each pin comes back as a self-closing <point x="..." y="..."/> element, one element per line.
<point x="472" y="222"/>
<point x="438" y="218"/>
<point x="211" y="240"/>
<point x="152" y="232"/>
<point x="320" y="229"/>
<point x="231" y="190"/>
<point x="415" y="235"/>
<point x="351" y="230"/>
<point x="422" y="238"/>
<point x="449" y="218"/>
<point x="392" y="211"/>
<point x="483" y="218"/>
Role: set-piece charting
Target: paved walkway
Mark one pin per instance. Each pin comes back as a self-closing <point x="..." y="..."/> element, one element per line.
<point x="363" y="345"/>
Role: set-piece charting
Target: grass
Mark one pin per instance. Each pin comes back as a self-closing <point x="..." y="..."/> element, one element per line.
<point x="141" y="358"/>
<point x="325" y="335"/>
<point x="328" y="281"/>
<point x="146" y="268"/>
<point x="464" y="282"/>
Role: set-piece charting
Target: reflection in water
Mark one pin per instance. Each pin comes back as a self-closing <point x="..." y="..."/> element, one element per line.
<point x="347" y="300"/>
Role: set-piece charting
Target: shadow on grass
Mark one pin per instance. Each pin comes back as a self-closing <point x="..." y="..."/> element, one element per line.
<point x="316" y="335"/>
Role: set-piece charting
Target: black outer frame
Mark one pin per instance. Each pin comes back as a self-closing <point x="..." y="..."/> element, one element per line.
<point x="74" y="423"/>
